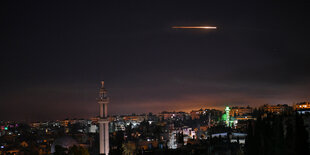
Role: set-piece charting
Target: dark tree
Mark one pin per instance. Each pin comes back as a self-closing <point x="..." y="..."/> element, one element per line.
<point x="301" y="136"/>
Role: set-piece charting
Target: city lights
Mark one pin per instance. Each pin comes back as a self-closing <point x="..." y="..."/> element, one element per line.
<point x="192" y="77"/>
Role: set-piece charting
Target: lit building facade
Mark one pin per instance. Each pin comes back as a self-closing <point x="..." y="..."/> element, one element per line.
<point x="171" y="115"/>
<point x="240" y="111"/>
<point x="227" y="119"/>
<point x="302" y="108"/>
<point x="195" y="114"/>
<point x="280" y="108"/>
<point x="172" y="142"/>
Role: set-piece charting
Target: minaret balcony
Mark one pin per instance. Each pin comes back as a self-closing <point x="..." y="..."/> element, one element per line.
<point x="103" y="101"/>
<point x="103" y="120"/>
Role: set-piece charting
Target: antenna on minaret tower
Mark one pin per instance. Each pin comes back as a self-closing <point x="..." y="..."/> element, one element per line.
<point x="102" y="84"/>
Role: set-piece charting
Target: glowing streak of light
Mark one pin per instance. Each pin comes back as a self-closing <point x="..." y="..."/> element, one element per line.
<point x="194" y="27"/>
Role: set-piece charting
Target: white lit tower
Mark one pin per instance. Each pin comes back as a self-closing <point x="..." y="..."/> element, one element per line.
<point x="227" y="121"/>
<point x="103" y="120"/>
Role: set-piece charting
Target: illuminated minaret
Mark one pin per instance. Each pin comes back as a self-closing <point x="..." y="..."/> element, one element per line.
<point x="103" y="121"/>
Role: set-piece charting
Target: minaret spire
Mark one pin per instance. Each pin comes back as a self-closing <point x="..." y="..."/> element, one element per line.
<point x="103" y="92"/>
<point x="103" y="120"/>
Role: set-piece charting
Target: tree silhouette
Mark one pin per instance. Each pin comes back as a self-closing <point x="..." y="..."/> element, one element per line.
<point x="301" y="136"/>
<point x="78" y="150"/>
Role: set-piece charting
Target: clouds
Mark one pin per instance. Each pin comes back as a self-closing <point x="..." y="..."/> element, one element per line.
<point x="55" y="54"/>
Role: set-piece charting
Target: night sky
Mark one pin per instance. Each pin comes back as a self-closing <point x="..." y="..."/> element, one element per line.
<point x="55" y="53"/>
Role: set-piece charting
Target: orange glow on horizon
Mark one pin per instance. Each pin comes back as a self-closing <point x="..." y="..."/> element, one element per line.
<point x="189" y="109"/>
<point x="194" y="27"/>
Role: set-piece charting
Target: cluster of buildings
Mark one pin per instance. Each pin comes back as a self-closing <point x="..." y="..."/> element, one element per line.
<point x="136" y="133"/>
<point x="177" y="129"/>
<point x="21" y="138"/>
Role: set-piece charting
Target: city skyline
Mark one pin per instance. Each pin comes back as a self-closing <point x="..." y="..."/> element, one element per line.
<point x="55" y="53"/>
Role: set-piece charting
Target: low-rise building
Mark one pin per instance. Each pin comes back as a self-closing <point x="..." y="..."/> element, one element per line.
<point x="280" y="108"/>
<point x="302" y="107"/>
<point x="240" y="111"/>
<point x="165" y="115"/>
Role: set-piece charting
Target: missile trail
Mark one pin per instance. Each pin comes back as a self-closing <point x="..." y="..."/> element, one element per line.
<point x="194" y="27"/>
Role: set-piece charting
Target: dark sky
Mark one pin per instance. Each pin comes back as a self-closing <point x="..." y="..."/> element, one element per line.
<point x="55" y="53"/>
